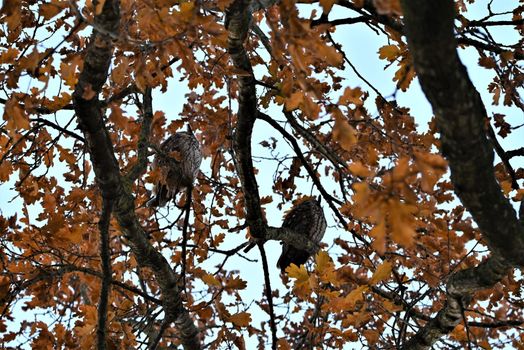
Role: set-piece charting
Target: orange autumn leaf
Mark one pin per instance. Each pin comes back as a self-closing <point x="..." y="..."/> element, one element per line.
<point x="9" y="55"/>
<point x="327" y="5"/>
<point x="299" y="273"/>
<point x="358" y="169"/>
<point x="487" y="62"/>
<point x="378" y="232"/>
<point x="283" y="344"/>
<point x="401" y="221"/>
<point x="381" y="273"/>
<point x="210" y="280"/>
<point x="404" y="75"/>
<point x="242" y="319"/>
<point x="355" y="296"/>
<point x="344" y="133"/>
<point x="16" y="117"/>
<point x="389" y="52"/>
<point x="385" y="7"/>
<point x="294" y="100"/>
<point x="371" y="336"/>
<point x="51" y="9"/>
<point x="236" y="283"/>
<point x="352" y="96"/>
<point x="322" y="261"/>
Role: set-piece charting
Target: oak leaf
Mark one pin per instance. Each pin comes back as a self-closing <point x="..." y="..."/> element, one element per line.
<point x="293" y="101"/>
<point x="236" y="283"/>
<point x="299" y="273"/>
<point x="283" y="344"/>
<point x="242" y="319"/>
<point x="389" y="52"/>
<point x="210" y="280"/>
<point x="344" y="133"/>
<point x="359" y="169"/>
<point x="381" y="273"/>
<point x="487" y="62"/>
<point x="51" y="9"/>
<point x="15" y="116"/>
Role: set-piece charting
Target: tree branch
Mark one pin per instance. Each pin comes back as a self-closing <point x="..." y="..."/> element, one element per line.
<point x="503" y="157"/>
<point x="269" y="296"/>
<point x="105" y="257"/>
<point x="238" y="19"/>
<point x="515" y="153"/>
<point x="112" y="185"/>
<point x="460" y="116"/>
<point x="312" y="174"/>
<point x="460" y="289"/>
<point x="59" y="128"/>
<point x="143" y="139"/>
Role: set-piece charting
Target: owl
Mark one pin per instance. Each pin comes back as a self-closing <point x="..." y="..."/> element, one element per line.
<point x="178" y="167"/>
<point x="307" y="218"/>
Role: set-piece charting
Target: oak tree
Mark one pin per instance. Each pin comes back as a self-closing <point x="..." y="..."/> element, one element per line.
<point x="425" y="236"/>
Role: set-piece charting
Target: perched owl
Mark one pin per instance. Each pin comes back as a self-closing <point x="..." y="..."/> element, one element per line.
<point x="178" y="166"/>
<point x="307" y="218"/>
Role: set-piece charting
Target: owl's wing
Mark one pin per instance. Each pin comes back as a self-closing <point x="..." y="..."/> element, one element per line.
<point x="291" y="255"/>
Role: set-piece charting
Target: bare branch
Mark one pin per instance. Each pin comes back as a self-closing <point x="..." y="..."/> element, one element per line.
<point x="517" y="22"/>
<point x="503" y="157"/>
<point x="59" y="128"/>
<point x="515" y="153"/>
<point x="269" y="296"/>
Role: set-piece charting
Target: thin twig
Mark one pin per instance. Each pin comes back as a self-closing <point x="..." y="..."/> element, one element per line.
<point x="503" y="156"/>
<point x="272" y="322"/>
<point x="187" y="208"/>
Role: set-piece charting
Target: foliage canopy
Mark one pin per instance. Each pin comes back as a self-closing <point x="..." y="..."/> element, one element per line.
<point x="424" y="244"/>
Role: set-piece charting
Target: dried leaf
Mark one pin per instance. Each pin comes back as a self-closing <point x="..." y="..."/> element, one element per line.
<point x="344" y="133"/>
<point x="242" y="319"/>
<point x="210" y="280"/>
<point x="381" y="273"/>
<point x="389" y="52"/>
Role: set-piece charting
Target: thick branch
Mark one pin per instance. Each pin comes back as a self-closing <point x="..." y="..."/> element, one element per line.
<point x="238" y="18"/>
<point x="460" y="117"/>
<point x="460" y="288"/>
<point x="515" y="153"/>
<point x="108" y="177"/>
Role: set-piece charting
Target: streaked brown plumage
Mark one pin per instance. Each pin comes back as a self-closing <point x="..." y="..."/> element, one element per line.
<point x="178" y="171"/>
<point x="307" y="218"/>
